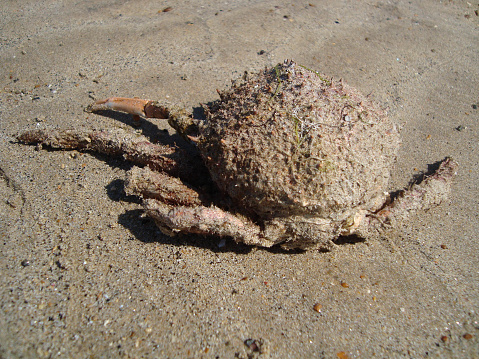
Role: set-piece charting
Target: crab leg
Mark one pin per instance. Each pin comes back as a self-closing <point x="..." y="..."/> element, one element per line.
<point x="205" y="220"/>
<point x="178" y="118"/>
<point x="150" y="184"/>
<point x="134" y="106"/>
<point x="135" y="148"/>
<point x="433" y="190"/>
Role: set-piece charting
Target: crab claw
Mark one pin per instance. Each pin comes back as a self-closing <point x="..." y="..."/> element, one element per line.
<point x="133" y="106"/>
<point x="178" y="118"/>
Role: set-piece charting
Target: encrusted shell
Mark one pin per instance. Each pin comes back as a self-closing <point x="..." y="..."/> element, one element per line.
<point x="289" y="141"/>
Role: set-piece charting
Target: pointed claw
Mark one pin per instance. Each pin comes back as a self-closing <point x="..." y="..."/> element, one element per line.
<point x="133" y="106"/>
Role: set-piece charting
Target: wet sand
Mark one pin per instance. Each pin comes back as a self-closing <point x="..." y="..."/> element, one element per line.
<point x="83" y="274"/>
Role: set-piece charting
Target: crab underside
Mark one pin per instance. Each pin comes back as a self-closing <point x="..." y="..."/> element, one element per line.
<point x="225" y="191"/>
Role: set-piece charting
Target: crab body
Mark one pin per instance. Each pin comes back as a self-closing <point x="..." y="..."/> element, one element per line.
<point x="293" y="158"/>
<point x="292" y="146"/>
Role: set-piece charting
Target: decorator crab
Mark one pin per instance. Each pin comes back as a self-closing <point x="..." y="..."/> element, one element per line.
<point x="286" y="156"/>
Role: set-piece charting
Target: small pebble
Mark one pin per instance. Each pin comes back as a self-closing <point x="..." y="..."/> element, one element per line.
<point x="25" y="263"/>
<point x="467" y="336"/>
<point x="252" y="344"/>
<point x="317" y="307"/>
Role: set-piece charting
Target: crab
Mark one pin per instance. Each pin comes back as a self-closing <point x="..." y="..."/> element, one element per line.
<point x="286" y="156"/>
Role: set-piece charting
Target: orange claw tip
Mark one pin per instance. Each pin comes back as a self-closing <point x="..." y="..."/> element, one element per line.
<point x="133" y="106"/>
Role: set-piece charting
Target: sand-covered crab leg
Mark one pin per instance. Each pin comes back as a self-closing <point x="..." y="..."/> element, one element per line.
<point x="204" y="220"/>
<point x="158" y="185"/>
<point x="132" y="146"/>
<point x="427" y="194"/>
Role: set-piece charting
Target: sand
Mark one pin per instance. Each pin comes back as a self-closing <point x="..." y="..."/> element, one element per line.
<point x="84" y="275"/>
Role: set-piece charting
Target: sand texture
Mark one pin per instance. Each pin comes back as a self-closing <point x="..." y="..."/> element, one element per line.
<point x="84" y="275"/>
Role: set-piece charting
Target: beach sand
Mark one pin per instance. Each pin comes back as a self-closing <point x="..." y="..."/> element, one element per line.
<point x="84" y="275"/>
